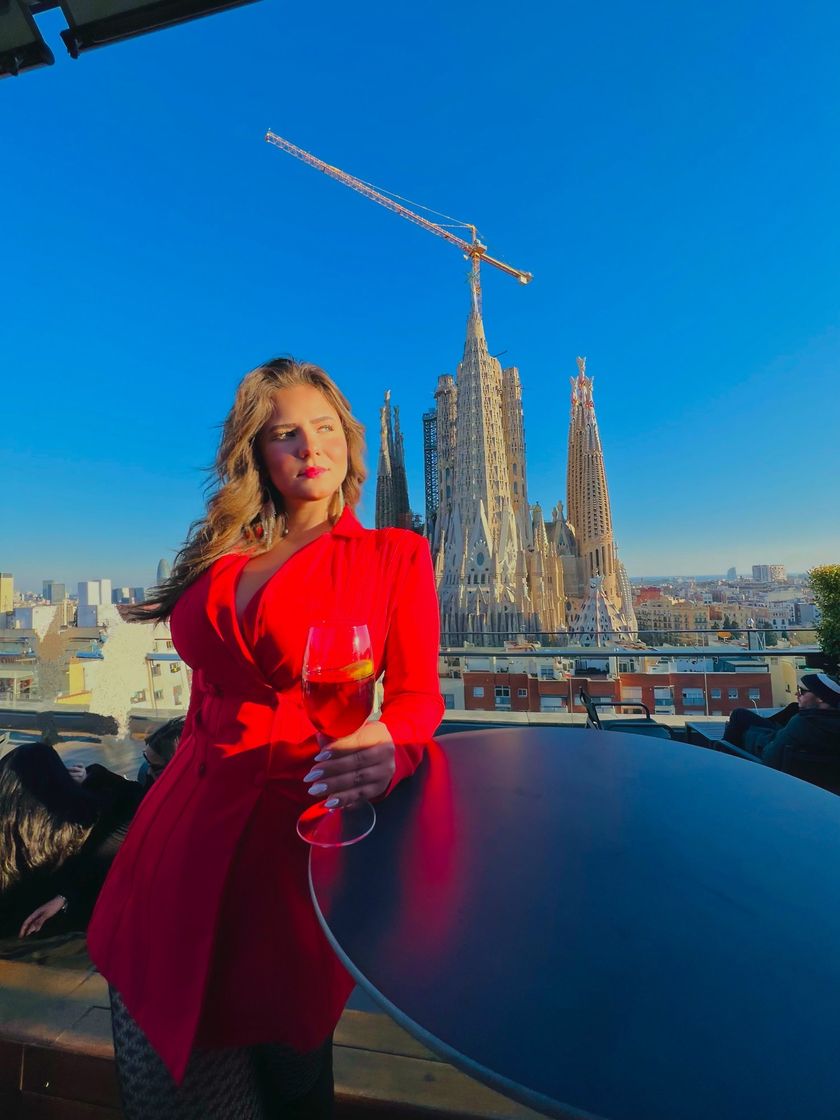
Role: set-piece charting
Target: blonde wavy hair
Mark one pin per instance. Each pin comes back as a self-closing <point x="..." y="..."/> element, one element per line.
<point x="240" y="486"/>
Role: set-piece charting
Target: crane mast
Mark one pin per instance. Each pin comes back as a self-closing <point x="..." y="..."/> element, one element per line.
<point x="473" y="250"/>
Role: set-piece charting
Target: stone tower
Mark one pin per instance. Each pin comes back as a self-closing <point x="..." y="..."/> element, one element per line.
<point x="481" y="529"/>
<point x="606" y="600"/>
<point x="392" y="508"/>
<point x="587" y="498"/>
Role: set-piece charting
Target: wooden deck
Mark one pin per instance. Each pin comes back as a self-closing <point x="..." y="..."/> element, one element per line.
<point x="56" y="1053"/>
<point x="57" y="1062"/>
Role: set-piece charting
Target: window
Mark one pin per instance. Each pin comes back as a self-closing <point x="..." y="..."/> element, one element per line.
<point x="175" y="667"/>
<point x="448" y="700"/>
<point x="155" y="668"/>
<point x="754" y="693"/>
<point x="138" y="697"/>
<point x="478" y="690"/>
<point x="502" y="697"/>
<point x="603" y="701"/>
<point x="693" y="698"/>
<point x="158" y="694"/>
<point x="522" y="692"/>
<point x="716" y="694"/>
<point x="631" y="693"/>
<point x="732" y="693"/>
<point x="552" y="704"/>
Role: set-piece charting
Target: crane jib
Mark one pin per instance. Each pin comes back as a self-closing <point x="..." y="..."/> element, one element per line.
<point x="473" y="250"/>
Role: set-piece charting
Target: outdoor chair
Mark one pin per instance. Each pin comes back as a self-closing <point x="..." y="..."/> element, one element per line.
<point x="635" y="725"/>
<point x="817" y="767"/>
<point x="725" y="747"/>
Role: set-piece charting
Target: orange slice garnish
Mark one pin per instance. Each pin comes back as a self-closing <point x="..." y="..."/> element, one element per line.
<point x="357" y="670"/>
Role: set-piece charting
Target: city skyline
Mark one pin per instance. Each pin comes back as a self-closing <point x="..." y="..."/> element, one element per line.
<point x="649" y="172"/>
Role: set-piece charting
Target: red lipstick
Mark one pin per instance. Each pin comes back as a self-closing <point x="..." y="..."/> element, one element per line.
<point x="313" y="472"/>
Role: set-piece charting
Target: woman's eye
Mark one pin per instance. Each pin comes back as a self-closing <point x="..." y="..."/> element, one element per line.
<point x="326" y="428"/>
<point x="284" y="435"/>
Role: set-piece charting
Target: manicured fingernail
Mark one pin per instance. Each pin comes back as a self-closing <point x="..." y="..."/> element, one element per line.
<point x="333" y="801"/>
<point x="313" y="774"/>
<point x="324" y="756"/>
<point x="318" y="788"/>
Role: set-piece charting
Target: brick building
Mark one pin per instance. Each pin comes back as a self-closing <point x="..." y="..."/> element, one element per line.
<point x="675" y="693"/>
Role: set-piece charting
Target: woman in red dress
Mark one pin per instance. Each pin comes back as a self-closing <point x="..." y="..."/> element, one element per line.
<point x="225" y="992"/>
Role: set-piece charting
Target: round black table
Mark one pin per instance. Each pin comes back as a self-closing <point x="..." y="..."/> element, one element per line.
<point x="604" y="925"/>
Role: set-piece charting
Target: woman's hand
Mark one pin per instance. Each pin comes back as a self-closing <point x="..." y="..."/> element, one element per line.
<point x="43" y="914"/>
<point x="77" y="773"/>
<point x="358" y="767"/>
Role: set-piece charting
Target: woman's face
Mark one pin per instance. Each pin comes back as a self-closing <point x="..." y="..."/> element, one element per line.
<point x="303" y="446"/>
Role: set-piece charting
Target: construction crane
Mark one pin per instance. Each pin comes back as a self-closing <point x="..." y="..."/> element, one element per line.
<point x="474" y="251"/>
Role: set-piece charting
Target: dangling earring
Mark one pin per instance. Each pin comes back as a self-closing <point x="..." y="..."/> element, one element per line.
<point x="339" y="502"/>
<point x="264" y="526"/>
<point x="268" y="517"/>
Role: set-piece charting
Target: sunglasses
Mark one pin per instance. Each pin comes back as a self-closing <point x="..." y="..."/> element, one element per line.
<point x="802" y="691"/>
<point x="155" y="767"/>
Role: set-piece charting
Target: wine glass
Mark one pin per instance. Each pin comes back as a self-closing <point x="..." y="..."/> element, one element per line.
<point x="338" y="684"/>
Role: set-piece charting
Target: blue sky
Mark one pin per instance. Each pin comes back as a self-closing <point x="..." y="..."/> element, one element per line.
<point x="670" y="174"/>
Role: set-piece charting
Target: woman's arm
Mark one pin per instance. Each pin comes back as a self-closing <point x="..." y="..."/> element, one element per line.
<point x="412" y="706"/>
<point x="79" y="880"/>
<point x="43" y="914"/>
<point x="368" y="764"/>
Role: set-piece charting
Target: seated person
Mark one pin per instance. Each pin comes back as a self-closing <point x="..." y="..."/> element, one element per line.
<point x="812" y="724"/>
<point x="158" y="751"/>
<point x="62" y="827"/>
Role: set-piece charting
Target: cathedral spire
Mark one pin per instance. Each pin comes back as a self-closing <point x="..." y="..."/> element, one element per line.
<point x="392" y="508"/>
<point x="587" y="496"/>
<point x="480" y="589"/>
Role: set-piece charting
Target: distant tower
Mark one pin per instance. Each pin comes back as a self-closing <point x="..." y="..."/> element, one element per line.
<point x="392" y="508"/>
<point x="7" y="592"/>
<point x="446" y="411"/>
<point x="163" y="572"/>
<point x="481" y="570"/>
<point x="514" y="428"/>
<point x="402" y="507"/>
<point x="626" y="596"/>
<point x="54" y="592"/>
<point x="430" y="469"/>
<point x="587" y="498"/>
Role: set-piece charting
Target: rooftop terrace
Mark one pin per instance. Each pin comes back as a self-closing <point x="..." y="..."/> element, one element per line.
<point x="56" y="1058"/>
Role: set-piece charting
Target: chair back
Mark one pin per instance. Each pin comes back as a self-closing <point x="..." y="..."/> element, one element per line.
<point x="817" y="767"/>
<point x="593" y="720"/>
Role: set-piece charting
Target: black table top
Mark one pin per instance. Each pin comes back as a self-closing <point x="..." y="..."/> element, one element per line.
<point x="604" y="925"/>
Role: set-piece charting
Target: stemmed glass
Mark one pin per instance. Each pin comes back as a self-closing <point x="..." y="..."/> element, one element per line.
<point x="338" y="685"/>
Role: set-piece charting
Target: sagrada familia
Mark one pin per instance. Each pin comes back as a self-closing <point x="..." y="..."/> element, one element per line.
<point x="503" y="570"/>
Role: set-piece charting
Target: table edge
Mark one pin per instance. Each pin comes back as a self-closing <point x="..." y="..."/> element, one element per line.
<point x="492" y="1080"/>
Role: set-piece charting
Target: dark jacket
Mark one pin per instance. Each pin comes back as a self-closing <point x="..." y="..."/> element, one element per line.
<point x="114" y="801"/>
<point x="812" y="730"/>
<point x="81" y="877"/>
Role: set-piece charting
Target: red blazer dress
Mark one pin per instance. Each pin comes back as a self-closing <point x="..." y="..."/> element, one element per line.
<point x="205" y="925"/>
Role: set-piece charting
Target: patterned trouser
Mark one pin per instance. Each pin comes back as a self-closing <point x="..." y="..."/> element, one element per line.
<point x="266" y="1082"/>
